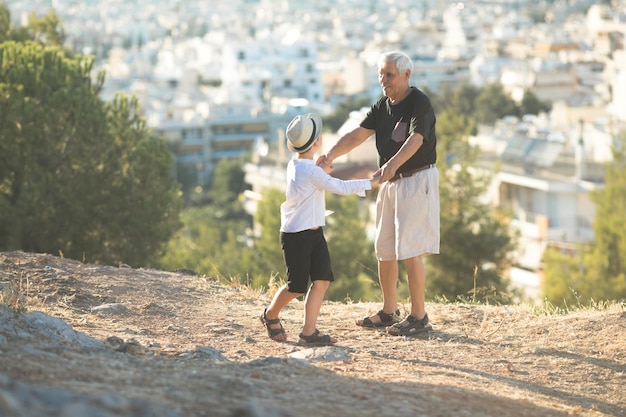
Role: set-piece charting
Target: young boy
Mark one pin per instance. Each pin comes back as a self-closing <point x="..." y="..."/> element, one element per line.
<point x="302" y="216"/>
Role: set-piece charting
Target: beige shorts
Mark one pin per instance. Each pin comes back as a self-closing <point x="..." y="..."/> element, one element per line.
<point x="407" y="217"/>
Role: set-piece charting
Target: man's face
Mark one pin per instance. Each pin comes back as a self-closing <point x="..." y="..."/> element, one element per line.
<point x="393" y="83"/>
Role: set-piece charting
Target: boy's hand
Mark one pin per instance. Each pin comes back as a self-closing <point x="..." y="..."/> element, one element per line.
<point x="327" y="168"/>
<point x="325" y="163"/>
<point x="375" y="179"/>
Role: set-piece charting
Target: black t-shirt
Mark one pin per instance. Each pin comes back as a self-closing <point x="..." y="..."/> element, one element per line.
<point x="394" y="123"/>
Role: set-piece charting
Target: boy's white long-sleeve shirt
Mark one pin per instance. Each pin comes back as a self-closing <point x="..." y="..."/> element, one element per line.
<point x="305" y="206"/>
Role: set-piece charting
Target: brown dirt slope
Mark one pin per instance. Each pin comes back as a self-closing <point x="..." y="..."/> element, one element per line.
<point x="197" y="348"/>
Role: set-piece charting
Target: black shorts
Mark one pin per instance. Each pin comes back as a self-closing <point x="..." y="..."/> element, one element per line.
<point x="306" y="256"/>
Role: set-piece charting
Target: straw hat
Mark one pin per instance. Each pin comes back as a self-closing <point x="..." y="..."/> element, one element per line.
<point x="303" y="131"/>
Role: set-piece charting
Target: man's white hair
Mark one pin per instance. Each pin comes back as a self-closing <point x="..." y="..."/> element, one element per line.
<point x="402" y="61"/>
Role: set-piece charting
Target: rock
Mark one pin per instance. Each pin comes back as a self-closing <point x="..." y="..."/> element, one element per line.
<point x="253" y="409"/>
<point x="321" y="354"/>
<point x="111" y="308"/>
<point x="18" y="399"/>
<point x="40" y="326"/>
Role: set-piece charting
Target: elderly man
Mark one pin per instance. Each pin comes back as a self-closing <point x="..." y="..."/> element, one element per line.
<point x="407" y="206"/>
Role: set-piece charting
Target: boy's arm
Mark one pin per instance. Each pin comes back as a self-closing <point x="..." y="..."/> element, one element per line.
<point x="341" y="187"/>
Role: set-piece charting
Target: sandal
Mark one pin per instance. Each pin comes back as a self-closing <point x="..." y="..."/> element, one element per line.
<point x="316" y="339"/>
<point x="410" y="326"/>
<point x="272" y="332"/>
<point x="382" y="319"/>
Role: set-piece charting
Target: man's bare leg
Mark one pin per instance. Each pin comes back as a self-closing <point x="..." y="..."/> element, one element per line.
<point x="388" y="279"/>
<point x="416" y="277"/>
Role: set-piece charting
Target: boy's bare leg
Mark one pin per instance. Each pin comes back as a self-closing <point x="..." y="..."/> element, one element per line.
<point x="282" y="297"/>
<point x="313" y="305"/>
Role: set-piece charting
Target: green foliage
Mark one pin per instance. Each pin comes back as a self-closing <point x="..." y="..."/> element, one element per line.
<point x="6" y="27"/>
<point x="549" y="309"/>
<point x="596" y="271"/>
<point x="493" y="104"/>
<point x="352" y="252"/>
<point x="228" y="184"/>
<point x="461" y="100"/>
<point x="46" y="30"/>
<point x="224" y="193"/>
<point x="137" y="169"/>
<point x="486" y="104"/>
<point x="208" y="246"/>
<point x="216" y="243"/>
<point x="610" y="234"/>
<point x="563" y="276"/>
<point x="475" y="239"/>
<point x="8" y="31"/>
<point x="532" y="105"/>
<point x="336" y="119"/>
<point x="453" y="149"/>
<point x="267" y="244"/>
<point x="216" y="239"/>
<point x="78" y="176"/>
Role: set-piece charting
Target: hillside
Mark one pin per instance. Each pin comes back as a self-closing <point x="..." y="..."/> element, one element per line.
<point x="107" y="341"/>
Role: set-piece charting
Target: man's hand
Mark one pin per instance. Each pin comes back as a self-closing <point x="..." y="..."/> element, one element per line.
<point x="325" y="163"/>
<point x="322" y="159"/>
<point x="385" y="173"/>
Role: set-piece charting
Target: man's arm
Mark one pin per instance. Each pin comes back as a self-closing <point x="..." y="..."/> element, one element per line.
<point x="408" y="149"/>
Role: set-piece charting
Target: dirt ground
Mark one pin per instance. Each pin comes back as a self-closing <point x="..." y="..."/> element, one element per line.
<point x="197" y="347"/>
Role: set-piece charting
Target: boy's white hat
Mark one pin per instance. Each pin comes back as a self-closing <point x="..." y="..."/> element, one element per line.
<point x="302" y="132"/>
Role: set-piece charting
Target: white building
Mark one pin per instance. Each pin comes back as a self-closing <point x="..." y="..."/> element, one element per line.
<point x="616" y="77"/>
<point x="213" y="134"/>
<point x="260" y="70"/>
<point x="544" y="178"/>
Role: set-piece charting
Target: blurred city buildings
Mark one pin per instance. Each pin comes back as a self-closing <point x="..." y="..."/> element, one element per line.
<point x="219" y="79"/>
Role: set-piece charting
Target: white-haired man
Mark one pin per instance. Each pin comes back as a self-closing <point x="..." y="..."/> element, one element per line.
<point x="407" y="207"/>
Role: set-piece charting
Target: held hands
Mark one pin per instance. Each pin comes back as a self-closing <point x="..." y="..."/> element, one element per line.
<point x="385" y="173"/>
<point x="375" y="179"/>
<point x="325" y="163"/>
<point x="381" y="175"/>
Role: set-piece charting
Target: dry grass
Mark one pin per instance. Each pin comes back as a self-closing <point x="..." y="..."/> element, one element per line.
<point x="478" y="360"/>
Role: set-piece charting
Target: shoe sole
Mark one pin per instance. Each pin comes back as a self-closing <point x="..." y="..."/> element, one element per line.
<point x="415" y="332"/>
<point x="376" y="325"/>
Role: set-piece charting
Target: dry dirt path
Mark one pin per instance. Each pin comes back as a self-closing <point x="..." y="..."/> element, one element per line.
<point x="188" y="346"/>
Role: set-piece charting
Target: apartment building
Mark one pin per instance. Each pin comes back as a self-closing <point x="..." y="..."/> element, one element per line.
<point x="544" y="178"/>
<point x="229" y="132"/>
<point x="263" y="69"/>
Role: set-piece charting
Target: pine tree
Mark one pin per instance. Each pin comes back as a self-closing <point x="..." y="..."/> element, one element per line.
<point x="78" y="176"/>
